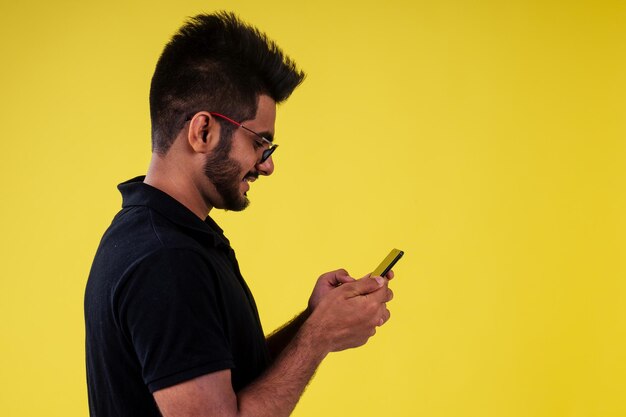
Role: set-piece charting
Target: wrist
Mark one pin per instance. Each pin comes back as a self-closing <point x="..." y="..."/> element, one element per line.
<point x="311" y="337"/>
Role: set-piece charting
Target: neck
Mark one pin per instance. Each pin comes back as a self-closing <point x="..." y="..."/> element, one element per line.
<point x="175" y="179"/>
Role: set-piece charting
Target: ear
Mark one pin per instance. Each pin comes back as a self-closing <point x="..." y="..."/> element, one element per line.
<point x="204" y="132"/>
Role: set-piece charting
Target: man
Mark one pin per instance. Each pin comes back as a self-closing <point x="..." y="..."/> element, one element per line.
<point x="171" y="325"/>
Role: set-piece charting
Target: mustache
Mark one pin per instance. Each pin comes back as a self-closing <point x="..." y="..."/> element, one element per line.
<point x="254" y="175"/>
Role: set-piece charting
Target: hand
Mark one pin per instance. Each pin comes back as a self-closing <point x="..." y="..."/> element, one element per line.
<point x="389" y="275"/>
<point x="325" y="283"/>
<point x="348" y="316"/>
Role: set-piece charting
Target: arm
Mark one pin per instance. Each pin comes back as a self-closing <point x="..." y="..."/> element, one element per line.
<point x="274" y="394"/>
<point x="280" y="338"/>
<point x="344" y="318"/>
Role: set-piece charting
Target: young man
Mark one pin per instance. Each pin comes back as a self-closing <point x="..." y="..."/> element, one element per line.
<point x="171" y="326"/>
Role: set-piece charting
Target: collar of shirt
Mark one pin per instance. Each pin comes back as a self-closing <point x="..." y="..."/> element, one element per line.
<point x="137" y="193"/>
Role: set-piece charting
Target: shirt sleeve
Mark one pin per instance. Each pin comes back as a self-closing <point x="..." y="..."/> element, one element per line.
<point x="169" y="311"/>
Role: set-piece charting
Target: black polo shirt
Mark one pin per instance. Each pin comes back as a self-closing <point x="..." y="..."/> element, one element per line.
<point x="165" y="302"/>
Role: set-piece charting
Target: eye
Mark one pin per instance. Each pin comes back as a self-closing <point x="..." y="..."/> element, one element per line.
<point x="258" y="144"/>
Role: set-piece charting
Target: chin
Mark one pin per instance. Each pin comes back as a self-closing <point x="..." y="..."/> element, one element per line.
<point x="236" y="204"/>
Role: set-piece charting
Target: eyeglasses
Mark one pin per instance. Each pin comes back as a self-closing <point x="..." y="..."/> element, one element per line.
<point x="263" y="140"/>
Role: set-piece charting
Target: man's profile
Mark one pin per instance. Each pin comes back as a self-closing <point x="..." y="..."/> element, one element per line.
<point x="171" y="327"/>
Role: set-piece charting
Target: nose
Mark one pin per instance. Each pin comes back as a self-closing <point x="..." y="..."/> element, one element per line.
<point x="266" y="167"/>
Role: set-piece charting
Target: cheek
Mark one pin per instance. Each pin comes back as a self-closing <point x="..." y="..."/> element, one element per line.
<point x="251" y="161"/>
<point x="244" y="153"/>
<point x="247" y="158"/>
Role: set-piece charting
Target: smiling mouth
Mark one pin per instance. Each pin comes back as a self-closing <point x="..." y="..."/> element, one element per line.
<point x="250" y="177"/>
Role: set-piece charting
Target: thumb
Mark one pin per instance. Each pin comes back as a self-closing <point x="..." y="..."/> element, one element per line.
<point x="367" y="285"/>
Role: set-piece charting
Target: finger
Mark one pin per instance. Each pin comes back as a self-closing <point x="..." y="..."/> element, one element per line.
<point x="341" y="272"/>
<point x="386" y="316"/>
<point x="383" y="294"/>
<point x="339" y="277"/>
<point x="342" y="277"/>
<point x="367" y="285"/>
<point x="390" y="275"/>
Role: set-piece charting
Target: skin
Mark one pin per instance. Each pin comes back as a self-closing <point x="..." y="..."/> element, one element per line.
<point x="342" y="312"/>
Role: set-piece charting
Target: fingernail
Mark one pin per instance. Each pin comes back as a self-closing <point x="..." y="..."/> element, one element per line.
<point x="380" y="281"/>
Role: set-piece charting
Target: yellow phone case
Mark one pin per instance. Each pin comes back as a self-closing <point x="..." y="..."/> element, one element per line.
<point x="388" y="263"/>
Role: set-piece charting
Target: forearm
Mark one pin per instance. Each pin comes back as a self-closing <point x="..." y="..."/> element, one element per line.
<point x="277" y="391"/>
<point x="280" y="338"/>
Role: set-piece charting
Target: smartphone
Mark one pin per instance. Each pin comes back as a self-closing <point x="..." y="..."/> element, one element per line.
<point x="387" y="263"/>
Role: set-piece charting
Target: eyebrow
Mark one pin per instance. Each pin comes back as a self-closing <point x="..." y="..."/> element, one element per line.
<point x="266" y="134"/>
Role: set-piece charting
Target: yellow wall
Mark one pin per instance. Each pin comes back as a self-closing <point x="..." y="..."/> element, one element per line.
<point x="486" y="139"/>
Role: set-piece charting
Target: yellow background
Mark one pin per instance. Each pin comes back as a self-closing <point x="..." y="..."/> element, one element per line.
<point x="486" y="139"/>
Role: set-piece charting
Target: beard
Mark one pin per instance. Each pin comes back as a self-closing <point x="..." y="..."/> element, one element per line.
<point x="226" y="175"/>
